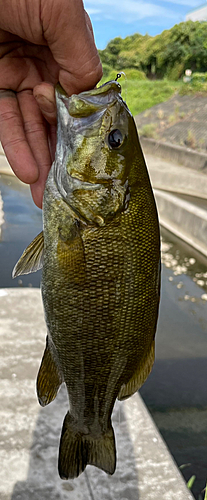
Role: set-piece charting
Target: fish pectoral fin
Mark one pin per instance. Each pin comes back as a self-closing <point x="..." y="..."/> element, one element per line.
<point x="78" y="449"/>
<point x="139" y="377"/>
<point x="49" y="378"/>
<point x="32" y="258"/>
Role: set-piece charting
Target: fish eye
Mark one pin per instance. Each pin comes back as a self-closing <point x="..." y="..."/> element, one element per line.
<point x="115" y="139"/>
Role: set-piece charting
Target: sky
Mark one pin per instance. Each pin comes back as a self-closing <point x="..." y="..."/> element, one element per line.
<point x="111" y="18"/>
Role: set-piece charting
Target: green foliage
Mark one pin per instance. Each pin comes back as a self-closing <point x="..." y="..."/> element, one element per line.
<point x="142" y="95"/>
<point x="130" y="73"/>
<point x="176" y="71"/>
<point x="134" y="74"/>
<point x="199" y="77"/>
<point x="191" y="482"/>
<point x="194" y="87"/>
<point x="205" y="498"/>
<point x="149" y="130"/>
<point x="106" y="71"/>
<point x="166" y="55"/>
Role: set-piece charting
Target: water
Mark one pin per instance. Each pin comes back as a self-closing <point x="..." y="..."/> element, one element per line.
<point x="175" y="392"/>
<point x="22" y="222"/>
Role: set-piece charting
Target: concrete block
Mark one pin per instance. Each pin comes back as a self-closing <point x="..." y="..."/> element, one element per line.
<point x="175" y="153"/>
<point x="184" y="219"/>
<point x="167" y="176"/>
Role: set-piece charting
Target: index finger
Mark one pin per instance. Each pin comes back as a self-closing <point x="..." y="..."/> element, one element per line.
<point x="14" y="140"/>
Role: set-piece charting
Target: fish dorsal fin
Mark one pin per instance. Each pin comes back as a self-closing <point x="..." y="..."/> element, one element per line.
<point x="139" y="376"/>
<point x="32" y="258"/>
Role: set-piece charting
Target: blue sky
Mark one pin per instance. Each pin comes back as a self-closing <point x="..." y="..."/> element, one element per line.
<point x="111" y="18"/>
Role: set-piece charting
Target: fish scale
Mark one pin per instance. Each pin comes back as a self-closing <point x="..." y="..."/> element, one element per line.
<point x="101" y="266"/>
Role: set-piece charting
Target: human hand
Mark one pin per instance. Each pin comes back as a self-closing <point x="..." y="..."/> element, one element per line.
<point x="41" y="42"/>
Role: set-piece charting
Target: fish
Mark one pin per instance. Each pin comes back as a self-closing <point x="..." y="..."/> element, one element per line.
<point x="100" y="256"/>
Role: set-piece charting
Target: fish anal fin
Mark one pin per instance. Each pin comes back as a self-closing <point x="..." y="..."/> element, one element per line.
<point x="78" y="449"/>
<point x="139" y="376"/>
<point x="49" y="378"/>
<point x="32" y="258"/>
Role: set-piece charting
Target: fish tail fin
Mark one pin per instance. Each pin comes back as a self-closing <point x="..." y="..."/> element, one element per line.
<point x="78" y="449"/>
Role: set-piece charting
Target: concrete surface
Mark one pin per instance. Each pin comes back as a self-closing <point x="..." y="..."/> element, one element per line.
<point x="181" y="120"/>
<point x="172" y="177"/>
<point x="181" y="195"/>
<point x="184" y="219"/>
<point x="29" y="435"/>
<point x="174" y="153"/>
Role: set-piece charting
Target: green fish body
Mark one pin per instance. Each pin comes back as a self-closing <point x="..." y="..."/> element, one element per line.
<point x="101" y="272"/>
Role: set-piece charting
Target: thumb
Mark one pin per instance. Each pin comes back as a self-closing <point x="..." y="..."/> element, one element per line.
<point x="69" y="35"/>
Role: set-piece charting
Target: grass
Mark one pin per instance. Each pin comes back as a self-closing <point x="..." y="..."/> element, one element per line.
<point x="141" y="95"/>
<point x="193" y="88"/>
<point x="149" y="130"/>
<point x="191" y="481"/>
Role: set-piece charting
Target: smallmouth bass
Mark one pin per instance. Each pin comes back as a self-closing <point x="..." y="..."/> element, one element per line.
<point x="100" y="253"/>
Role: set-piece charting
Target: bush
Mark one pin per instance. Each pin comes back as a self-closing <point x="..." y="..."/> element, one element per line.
<point x="176" y="72"/>
<point x="199" y="77"/>
<point x="106" y="70"/>
<point x="131" y="74"/>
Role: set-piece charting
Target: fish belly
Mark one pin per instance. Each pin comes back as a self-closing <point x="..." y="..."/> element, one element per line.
<point x="100" y="297"/>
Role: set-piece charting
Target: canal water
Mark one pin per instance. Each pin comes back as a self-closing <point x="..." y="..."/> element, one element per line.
<point x="176" y="391"/>
<point x="21" y="222"/>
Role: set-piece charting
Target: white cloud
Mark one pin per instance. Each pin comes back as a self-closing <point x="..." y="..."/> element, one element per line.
<point x="189" y="3"/>
<point x="128" y="10"/>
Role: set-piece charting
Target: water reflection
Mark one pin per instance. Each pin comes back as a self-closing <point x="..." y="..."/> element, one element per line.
<point x="1" y="213"/>
<point x="181" y="262"/>
<point x="21" y="222"/>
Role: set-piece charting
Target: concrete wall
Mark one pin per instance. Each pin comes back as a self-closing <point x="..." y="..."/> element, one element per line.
<point x="197" y="15"/>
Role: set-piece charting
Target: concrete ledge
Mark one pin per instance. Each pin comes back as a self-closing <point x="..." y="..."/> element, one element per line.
<point x="30" y="435"/>
<point x="175" y="153"/>
<point x="184" y="219"/>
<point x="176" y="178"/>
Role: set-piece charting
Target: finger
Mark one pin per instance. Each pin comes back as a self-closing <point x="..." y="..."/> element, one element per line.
<point x="89" y="24"/>
<point x="14" y="140"/>
<point x="72" y="44"/>
<point x="37" y="137"/>
<point x="45" y="97"/>
<point x="37" y="189"/>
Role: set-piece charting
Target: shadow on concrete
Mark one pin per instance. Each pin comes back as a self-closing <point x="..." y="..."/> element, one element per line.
<point x="43" y="482"/>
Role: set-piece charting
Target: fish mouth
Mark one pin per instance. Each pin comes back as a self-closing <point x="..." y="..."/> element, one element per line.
<point x="81" y="112"/>
<point x="90" y="102"/>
